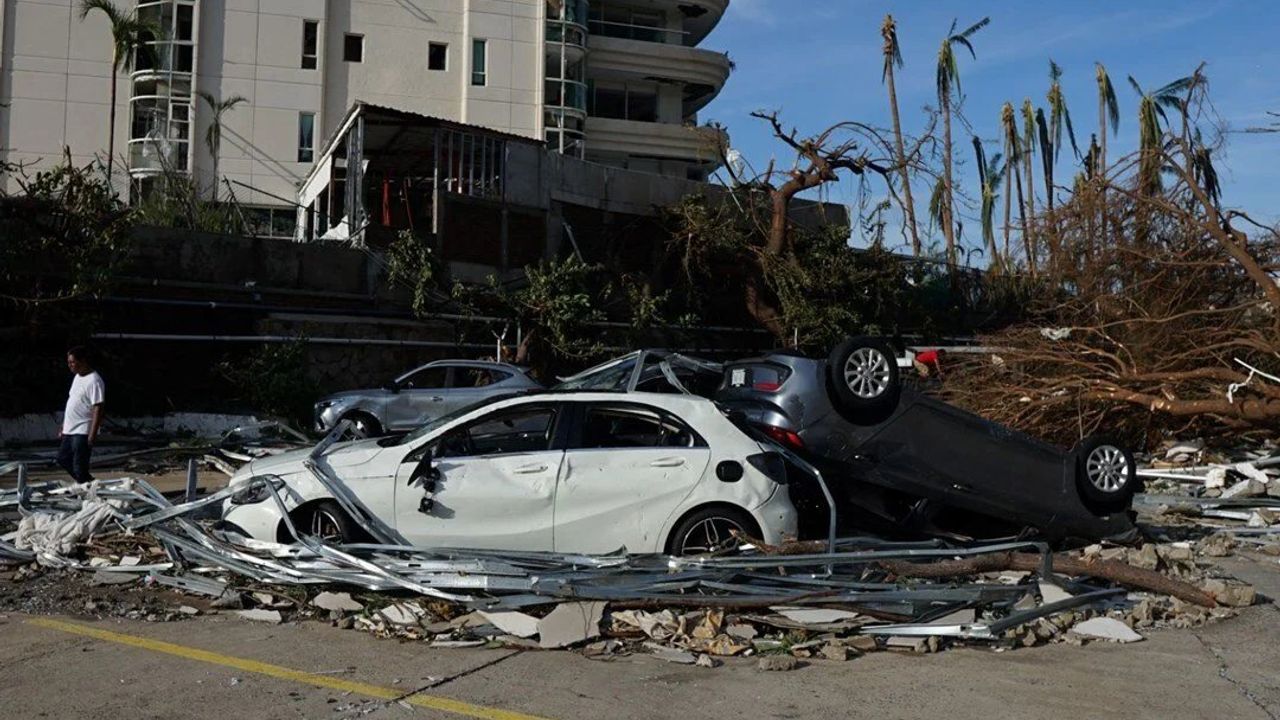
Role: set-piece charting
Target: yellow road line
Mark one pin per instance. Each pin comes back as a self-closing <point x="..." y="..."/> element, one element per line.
<point x="433" y="702"/>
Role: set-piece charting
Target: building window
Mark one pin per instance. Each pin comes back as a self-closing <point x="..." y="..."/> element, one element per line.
<point x="306" y="136"/>
<point x="437" y="56"/>
<point x="271" y="222"/>
<point x="624" y="102"/>
<point x="353" y="48"/>
<point x="479" y="61"/>
<point x="310" y="44"/>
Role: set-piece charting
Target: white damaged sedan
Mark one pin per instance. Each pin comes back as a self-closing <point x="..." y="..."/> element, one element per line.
<point x="564" y="472"/>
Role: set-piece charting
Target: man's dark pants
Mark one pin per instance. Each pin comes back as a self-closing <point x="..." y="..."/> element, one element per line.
<point x="73" y="456"/>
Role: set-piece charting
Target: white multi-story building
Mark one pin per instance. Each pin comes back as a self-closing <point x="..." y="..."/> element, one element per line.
<point x="618" y="82"/>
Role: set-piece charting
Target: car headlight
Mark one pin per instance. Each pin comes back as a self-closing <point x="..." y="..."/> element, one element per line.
<point x="257" y="492"/>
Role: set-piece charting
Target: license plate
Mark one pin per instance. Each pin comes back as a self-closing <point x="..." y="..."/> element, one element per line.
<point x="738" y="377"/>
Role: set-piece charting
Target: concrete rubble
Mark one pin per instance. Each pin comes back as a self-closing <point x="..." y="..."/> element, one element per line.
<point x="781" y="609"/>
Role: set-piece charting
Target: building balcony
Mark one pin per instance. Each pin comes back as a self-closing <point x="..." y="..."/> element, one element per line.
<point x="697" y="18"/>
<point x="567" y="37"/>
<point x="702" y="72"/>
<point x="567" y="95"/>
<point x="697" y="144"/>
<point x="153" y="156"/>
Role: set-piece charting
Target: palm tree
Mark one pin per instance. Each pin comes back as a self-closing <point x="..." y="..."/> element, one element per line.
<point x="1013" y="153"/>
<point x="1028" y="154"/>
<point x="989" y="180"/>
<point x="127" y="41"/>
<point x="1150" y="132"/>
<point x="213" y="137"/>
<point x="1058" y="115"/>
<point x="1108" y="113"/>
<point x="893" y="57"/>
<point x="948" y="76"/>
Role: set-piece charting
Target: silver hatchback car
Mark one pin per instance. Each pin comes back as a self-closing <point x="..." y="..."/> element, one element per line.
<point x="419" y="396"/>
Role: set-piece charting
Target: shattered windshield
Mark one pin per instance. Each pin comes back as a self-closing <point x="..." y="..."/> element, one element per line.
<point x="443" y="420"/>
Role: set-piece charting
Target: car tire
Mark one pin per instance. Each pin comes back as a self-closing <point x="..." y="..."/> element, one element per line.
<point x="863" y="374"/>
<point x="1105" y="474"/>
<point x="708" y="531"/>
<point x="327" y="521"/>
<point x="363" y="426"/>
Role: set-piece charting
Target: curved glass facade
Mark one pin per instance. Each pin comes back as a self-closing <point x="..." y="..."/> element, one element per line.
<point x="565" y="89"/>
<point x="160" y="102"/>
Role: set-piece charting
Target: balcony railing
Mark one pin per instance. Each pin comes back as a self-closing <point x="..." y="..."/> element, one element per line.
<point x="569" y="33"/>
<point x="568" y="94"/>
<point x="631" y="31"/>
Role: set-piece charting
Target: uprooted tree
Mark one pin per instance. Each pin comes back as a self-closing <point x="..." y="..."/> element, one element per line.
<point x="1155" y="300"/>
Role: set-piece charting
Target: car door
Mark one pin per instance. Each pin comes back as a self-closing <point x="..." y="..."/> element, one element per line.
<point x="496" y="485"/>
<point x="627" y="467"/>
<point x="422" y="395"/>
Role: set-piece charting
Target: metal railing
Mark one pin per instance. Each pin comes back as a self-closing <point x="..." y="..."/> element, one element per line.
<point x="567" y="94"/>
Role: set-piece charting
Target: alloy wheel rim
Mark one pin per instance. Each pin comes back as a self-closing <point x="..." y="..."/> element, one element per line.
<point x="360" y="430"/>
<point x="1107" y="468"/>
<point x="712" y="535"/>
<point x="866" y="372"/>
<point x="326" y="527"/>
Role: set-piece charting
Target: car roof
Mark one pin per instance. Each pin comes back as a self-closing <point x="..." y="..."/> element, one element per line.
<point x="673" y="402"/>
<point x="483" y="364"/>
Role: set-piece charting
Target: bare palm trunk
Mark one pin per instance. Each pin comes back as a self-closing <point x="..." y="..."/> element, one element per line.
<point x="111" y="126"/>
<point x="949" y="224"/>
<point x="216" y="179"/>
<point x="1008" y="207"/>
<point x="1101" y="170"/>
<point x="1029" y="219"/>
<point x="1026" y="226"/>
<point x="909" y="203"/>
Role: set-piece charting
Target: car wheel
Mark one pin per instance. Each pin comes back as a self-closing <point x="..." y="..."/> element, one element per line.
<point x="328" y="522"/>
<point x="711" y="531"/>
<point x="362" y="426"/>
<point x="864" y="376"/>
<point x="1105" y="474"/>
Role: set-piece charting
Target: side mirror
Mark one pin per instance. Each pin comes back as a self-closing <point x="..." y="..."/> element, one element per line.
<point x="392" y="387"/>
<point x="425" y="474"/>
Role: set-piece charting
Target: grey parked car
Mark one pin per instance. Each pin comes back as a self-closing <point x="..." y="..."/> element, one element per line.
<point x="419" y="396"/>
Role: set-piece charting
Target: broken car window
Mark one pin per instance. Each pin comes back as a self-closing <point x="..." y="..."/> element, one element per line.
<point x="632" y="427"/>
<point x="425" y="379"/>
<point x="520" y="429"/>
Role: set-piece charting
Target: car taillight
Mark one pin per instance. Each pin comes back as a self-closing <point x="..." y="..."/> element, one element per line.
<point x="784" y="437"/>
<point x="766" y="386"/>
<point x="771" y="464"/>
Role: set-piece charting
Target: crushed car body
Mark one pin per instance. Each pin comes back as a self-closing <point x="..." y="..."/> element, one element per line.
<point x="903" y="463"/>
<point x="569" y="472"/>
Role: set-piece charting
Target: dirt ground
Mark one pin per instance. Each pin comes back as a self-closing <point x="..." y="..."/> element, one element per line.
<point x="56" y="662"/>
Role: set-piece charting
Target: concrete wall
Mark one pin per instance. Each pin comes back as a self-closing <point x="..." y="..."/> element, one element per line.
<point x="185" y="256"/>
<point x="253" y="48"/>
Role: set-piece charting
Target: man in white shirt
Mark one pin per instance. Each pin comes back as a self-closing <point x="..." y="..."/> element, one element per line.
<point x="83" y="415"/>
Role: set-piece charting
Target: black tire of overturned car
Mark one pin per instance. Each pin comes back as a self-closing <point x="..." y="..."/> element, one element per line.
<point x="863" y="375"/>
<point x="1105" y="473"/>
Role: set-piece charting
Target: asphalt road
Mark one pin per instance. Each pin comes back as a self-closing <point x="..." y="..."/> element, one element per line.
<point x="221" y="666"/>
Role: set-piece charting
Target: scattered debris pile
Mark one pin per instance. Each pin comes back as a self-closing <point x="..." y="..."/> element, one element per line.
<point x="159" y="454"/>
<point x="869" y="594"/>
<point x="1219" y="500"/>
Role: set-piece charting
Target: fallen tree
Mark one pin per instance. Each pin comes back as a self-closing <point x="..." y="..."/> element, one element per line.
<point x="1151" y="327"/>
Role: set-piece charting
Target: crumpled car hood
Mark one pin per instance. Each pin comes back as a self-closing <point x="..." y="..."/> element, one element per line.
<point x="342" y="455"/>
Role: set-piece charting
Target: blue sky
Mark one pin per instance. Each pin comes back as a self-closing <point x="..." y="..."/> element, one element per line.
<point x="818" y="62"/>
